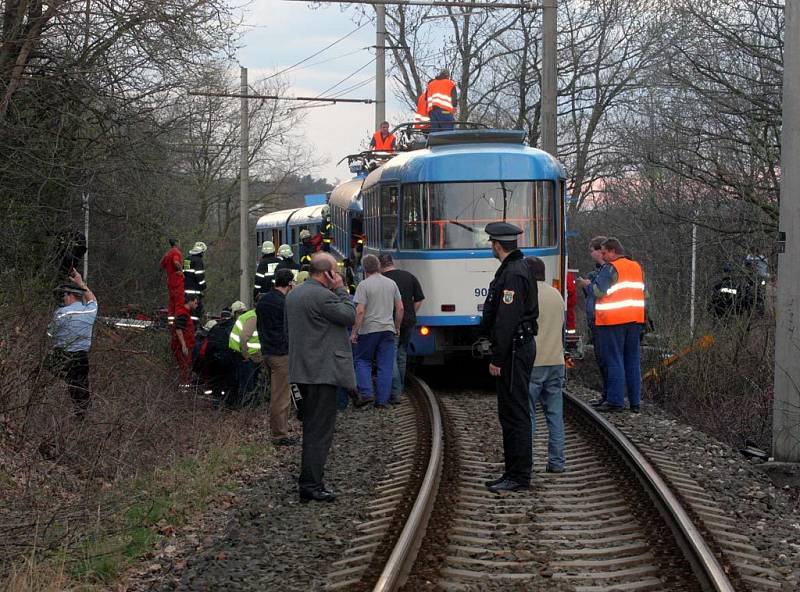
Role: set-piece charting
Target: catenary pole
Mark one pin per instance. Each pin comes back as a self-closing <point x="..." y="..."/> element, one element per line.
<point x="549" y="77"/>
<point x="786" y="400"/>
<point x="244" y="195"/>
<point x="380" y="64"/>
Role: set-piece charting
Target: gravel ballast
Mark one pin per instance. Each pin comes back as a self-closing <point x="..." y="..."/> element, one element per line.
<point x="268" y="540"/>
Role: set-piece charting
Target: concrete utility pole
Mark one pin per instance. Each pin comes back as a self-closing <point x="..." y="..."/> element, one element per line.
<point x="786" y="404"/>
<point x="244" y="196"/>
<point x="380" y="64"/>
<point x="549" y="77"/>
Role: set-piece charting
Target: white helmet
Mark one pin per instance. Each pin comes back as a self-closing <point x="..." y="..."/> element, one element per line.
<point x="326" y="210"/>
<point x="267" y="247"/>
<point x="199" y="247"/>
<point x="304" y="234"/>
<point x="285" y="251"/>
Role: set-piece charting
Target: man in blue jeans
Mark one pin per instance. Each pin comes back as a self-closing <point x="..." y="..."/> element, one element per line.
<point x="548" y="373"/>
<point x="412" y="295"/>
<point x="379" y="315"/>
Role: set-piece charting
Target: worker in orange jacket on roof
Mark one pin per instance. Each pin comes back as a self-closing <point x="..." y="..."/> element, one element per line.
<point x="382" y="140"/>
<point x="442" y="98"/>
<point x="421" y="119"/>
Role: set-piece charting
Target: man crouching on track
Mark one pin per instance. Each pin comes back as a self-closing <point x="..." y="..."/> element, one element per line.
<point x="509" y="317"/>
<point x="318" y="313"/>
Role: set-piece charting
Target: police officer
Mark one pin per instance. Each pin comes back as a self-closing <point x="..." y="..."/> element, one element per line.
<point x="265" y="270"/>
<point x="509" y="318"/>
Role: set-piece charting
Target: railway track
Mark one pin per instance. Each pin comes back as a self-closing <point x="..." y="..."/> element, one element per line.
<point x="613" y="521"/>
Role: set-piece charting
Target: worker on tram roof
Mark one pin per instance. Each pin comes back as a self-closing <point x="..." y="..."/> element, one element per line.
<point x="442" y="99"/>
<point x="382" y="140"/>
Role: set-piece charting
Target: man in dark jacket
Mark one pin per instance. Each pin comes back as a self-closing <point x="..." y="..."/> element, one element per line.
<point x="194" y="277"/>
<point x="509" y="317"/>
<point x="320" y="360"/>
<point x="275" y="353"/>
<point x="265" y="272"/>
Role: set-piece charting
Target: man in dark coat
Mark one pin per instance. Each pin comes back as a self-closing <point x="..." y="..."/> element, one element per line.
<point x="509" y="317"/>
<point x="318" y="313"/>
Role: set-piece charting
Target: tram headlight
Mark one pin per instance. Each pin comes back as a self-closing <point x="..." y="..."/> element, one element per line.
<point x="424" y="331"/>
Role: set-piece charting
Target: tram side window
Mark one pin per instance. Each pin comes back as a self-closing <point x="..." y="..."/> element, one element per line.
<point x="389" y="198"/>
<point x="414" y="214"/>
<point x="544" y="215"/>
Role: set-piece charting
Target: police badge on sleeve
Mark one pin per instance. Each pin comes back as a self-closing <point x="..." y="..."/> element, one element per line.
<point x="508" y="296"/>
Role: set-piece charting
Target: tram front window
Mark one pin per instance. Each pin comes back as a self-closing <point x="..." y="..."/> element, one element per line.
<point x="453" y="215"/>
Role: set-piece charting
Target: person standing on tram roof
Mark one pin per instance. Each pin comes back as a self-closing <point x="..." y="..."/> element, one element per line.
<point x="382" y="140"/>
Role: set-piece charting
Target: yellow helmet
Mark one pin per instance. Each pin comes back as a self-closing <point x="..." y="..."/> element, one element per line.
<point x="267" y="248"/>
<point x="285" y="251"/>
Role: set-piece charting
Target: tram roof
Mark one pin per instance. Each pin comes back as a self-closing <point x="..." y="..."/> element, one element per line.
<point x="346" y="195"/>
<point x="294" y="216"/>
<point x="468" y="162"/>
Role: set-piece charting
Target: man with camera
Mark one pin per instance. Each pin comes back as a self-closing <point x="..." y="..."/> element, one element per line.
<point x="318" y="313"/>
<point x="71" y="332"/>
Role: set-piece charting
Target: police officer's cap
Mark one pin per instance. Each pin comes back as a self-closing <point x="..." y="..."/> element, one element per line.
<point x="502" y="231"/>
<point x="69" y="288"/>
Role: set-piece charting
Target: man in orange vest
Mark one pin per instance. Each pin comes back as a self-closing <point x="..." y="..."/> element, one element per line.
<point x="619" y="318"/>
<point x="421" y="119"/>
<point x="382" y="140"/>
<point x="442" y="98"/>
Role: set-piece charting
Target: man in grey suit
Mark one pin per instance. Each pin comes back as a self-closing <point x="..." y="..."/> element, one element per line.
<point x="318" y="313"/>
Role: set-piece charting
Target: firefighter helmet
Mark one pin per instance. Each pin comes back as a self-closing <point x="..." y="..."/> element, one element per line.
<point x="304" y="234"/>
<point x="267" y="248"/>
<point x="285" y="251"/>
<point x="199" y="247"/>
<point x="326" y="211"/>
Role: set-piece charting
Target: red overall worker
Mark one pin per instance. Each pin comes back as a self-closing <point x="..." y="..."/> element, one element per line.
<point x="182" y="342"/>
<point x="382" y="140"/>
<point x="172" y="263"/>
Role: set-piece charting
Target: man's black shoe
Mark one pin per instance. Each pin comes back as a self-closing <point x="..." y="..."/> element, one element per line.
<point x="597" y="402"/>
<point x="495" y="481"/>
<point x="507" y="485"/>
<point x="635" y="409"/>
<point x="285" y="442"/>
<point x="359" y="401"/>
<point x="549" y="469"/>
<point x="318" y="495"/>
<point x="394" y="400"/>
<point x="609" y="408"/>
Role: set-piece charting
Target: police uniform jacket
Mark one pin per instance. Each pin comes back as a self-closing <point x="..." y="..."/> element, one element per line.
<point x="511" y="307"/>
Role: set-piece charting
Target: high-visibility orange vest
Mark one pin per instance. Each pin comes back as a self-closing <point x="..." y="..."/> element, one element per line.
<point x="385" y="145"/>
<point x="624" y="301"/>
<point x="421" y="118"/>
<point x="440" y="94"/>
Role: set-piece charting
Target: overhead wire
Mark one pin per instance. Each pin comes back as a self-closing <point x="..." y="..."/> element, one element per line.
<point x="316" y="53"/>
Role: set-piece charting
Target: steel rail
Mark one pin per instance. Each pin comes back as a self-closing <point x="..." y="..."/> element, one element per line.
<point x="710" y="574"/>
<point x="405" y="550"/>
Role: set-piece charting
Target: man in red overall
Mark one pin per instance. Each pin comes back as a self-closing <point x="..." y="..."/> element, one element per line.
<point x="172" y="263"/>
<point x="182" y="342"/>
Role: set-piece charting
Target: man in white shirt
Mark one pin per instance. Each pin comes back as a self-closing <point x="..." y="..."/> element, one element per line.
<point x="547" y="378"/>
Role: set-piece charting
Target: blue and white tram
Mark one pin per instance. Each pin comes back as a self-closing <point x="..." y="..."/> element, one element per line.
<point x="284" y="226"/>
<point x="346" y="216"/>
<point x="429" y="208"/>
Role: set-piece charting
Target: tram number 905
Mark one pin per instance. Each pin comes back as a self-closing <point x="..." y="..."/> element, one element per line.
<point x="481" y="292"/>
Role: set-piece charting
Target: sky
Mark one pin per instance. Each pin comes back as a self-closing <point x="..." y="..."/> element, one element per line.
<point x="279" y="33"/>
